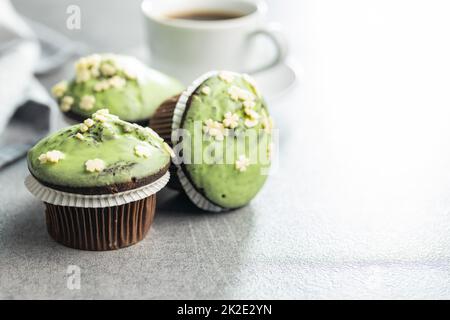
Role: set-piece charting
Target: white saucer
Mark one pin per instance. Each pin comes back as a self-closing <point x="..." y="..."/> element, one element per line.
<point x="274" y="82"/>
<point x="278" y="80"/>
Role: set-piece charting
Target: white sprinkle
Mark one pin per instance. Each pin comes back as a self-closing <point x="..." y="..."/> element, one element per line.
<point x="153" y="134"/>
<point x="267" y="124"/>
<point x="89" y="122"/>
<point x="100" y="117"/>
<point x="251" y="113"/>
<point x="59" y="89"/>
<point x="66" y="103"/>
<point x="249" y="104"/>
<point x="231" y="120"/>
<point x="142" y="151"/>
<point x="206" y="90"/>
<point x="242" y="163"/>
<point x="214" y="129"/>
<point x="245" y="95"/>
<point x="87" y="102"/>
<point x="43" y="158"/>
<point x="252" y="82"/>
<point x="226" y="76"/>
<point x="234" y="92"/>
<point x="65" y="107"/>
<point x="83" y="127"/>
<point x="103" y="111"/>
<point x="129" y="74"/>
<point x="79" y="136"/>
<point x="54" y="156"/>
<point x="108" y="69"/>
<point x="237" y="93"/>
<point x="127" y="128"/>
<point x="83" y="75"/>
<point x="101" y="86"/>
<point x="95" y="165"/>
<point x="250" y="123"/>
<point x="117" y="82"/>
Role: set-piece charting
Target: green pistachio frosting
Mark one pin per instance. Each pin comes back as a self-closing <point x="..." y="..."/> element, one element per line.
<point x="231" y="117"/>
<point x="119" y="83"/>
<point x="99" y="152"/>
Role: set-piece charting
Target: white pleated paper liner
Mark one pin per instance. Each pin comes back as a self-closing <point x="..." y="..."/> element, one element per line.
<point x="67" y="199"/>
<point x="196" y="197"/>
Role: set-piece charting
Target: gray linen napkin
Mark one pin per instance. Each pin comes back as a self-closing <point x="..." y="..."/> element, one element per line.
<point x="27" y="112"/>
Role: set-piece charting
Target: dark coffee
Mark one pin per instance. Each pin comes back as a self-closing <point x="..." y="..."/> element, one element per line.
<point x="205" y="15"/>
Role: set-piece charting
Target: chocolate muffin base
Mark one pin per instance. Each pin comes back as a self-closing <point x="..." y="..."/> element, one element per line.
<point x="101" y="229"/>
<point x="161" y="122"/>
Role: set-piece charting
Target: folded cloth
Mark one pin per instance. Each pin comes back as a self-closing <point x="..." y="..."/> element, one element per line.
<point x="26" y="109"/>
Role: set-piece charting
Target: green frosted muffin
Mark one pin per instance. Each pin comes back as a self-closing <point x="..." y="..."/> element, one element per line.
<point x="122" y="84"/>
<point x="98" y="180"/>
<point x="226" y="135"/>
<point x="101" y="155"/>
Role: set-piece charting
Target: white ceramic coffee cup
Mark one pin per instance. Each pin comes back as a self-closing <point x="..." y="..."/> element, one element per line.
<point x="186" y="48"/>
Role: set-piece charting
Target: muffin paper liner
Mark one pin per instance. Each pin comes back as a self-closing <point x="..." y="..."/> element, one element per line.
<point x="60" y="198"/>
<point x="161" y="122"/>
<point x="98" y="222"/>
<point x="169" y="120"/>
<point x="99" y="229"/>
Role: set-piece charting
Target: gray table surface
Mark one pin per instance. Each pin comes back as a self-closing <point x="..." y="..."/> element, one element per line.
<point x="336" y="220"/>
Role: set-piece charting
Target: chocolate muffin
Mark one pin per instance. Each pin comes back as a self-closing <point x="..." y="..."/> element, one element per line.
<point x="122" y="84"/>
<point x="98" y="180"/>
<point x="221" y="130"/>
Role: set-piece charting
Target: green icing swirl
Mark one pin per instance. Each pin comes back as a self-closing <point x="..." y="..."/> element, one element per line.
<point x="135" y="101"/>
<point x="112" y="140"/>
<point x="224" y="184"/>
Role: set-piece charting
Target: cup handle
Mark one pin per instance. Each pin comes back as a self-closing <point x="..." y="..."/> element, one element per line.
<point x="274" y="33"/>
